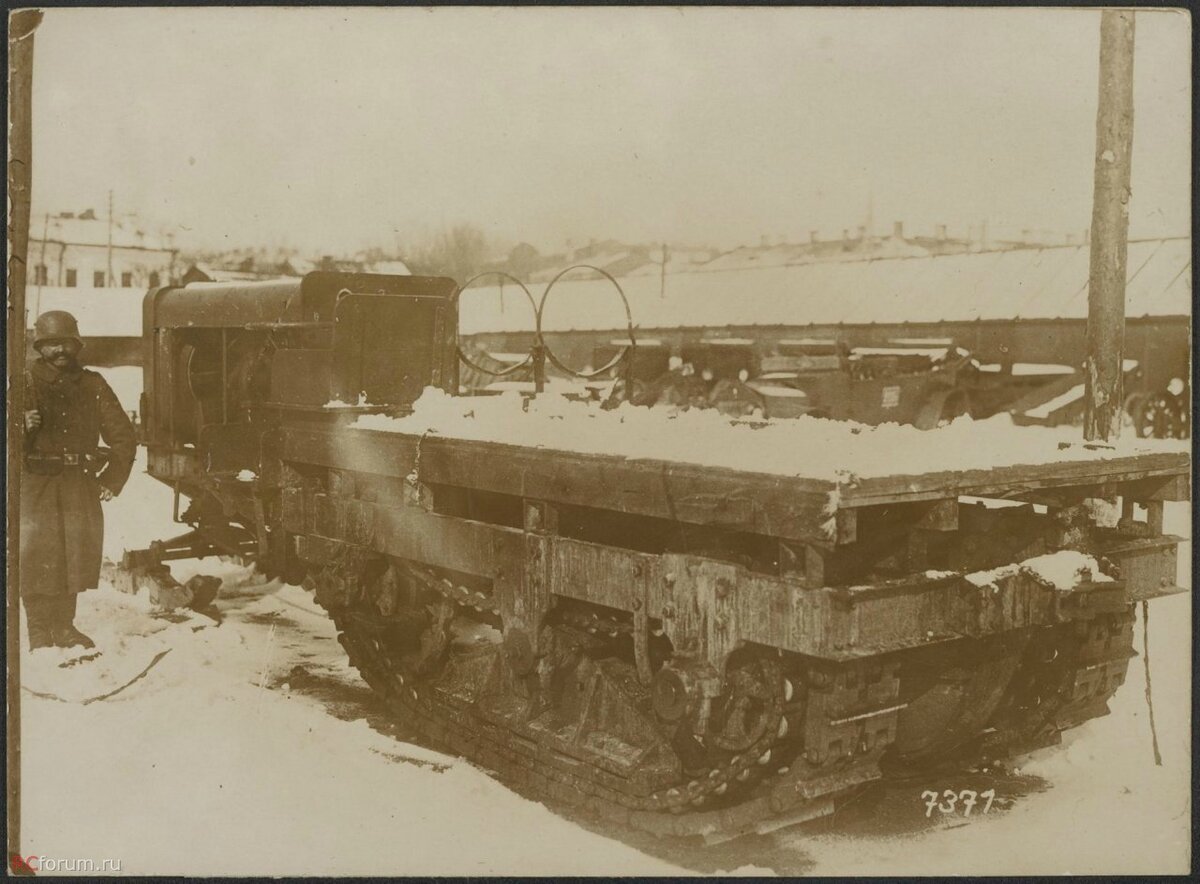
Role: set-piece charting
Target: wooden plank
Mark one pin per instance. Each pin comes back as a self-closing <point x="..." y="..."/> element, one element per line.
<point x="1176" y="487"/>
<point x="760" y="503"/>
<point x="814" y="567"/>
<point x="1154" y="516"/>
<point x="1010" y="481"/>
<point x="754" y="502"/>
<point x="847" y="526"/>
<point x="1173" y="487"/>
<point x="916" y="552"/>
<point x="403" y="532"/>
<point x="521" y="581"/>
<point x="577" y="568"/>
<point x="941" y="515"/>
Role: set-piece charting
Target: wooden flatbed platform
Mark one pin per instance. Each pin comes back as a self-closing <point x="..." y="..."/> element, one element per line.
<point x="790" y="507"/>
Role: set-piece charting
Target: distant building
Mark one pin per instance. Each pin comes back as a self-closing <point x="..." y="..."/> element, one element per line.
<point x="340" y="265"/>
<point x="83" y="251"/>
<point x="612" y="257"/>
<point x="858" y="245"/>
<point x="199" y="271"/>
<point x="240" y="267"/>
<point x="680" y="259"/>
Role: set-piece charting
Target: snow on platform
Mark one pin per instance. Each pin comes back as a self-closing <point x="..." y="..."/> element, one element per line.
<point x="1063" y="570"/>
<point x="807" y="447"/>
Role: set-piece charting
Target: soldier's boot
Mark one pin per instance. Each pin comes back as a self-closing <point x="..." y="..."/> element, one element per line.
<point x="39" y="620"/>
<point x="65" y="633"/>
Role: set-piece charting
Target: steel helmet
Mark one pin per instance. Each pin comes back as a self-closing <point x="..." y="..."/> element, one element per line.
<point x="56" y="325"/>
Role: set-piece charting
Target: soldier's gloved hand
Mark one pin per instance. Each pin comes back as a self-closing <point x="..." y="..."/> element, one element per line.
<point x="33" y="419"/>
<point x="105" y="493"/>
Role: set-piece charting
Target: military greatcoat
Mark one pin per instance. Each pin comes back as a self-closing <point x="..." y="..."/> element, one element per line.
<point x="62" y="525"/>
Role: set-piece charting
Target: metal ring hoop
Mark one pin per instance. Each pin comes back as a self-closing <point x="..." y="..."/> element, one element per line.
<point x="554" y="360"/>
<point x="504" y="372"/>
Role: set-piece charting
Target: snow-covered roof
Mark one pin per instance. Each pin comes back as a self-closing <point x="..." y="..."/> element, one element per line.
<point x="225" y="274"/>
<point x="1041" y="283"/>
<point x="753" y="257"/>
<point x="95" y="232"/>
<point x="394" y="266"/>
<point x="784" y="254"/>
<point x="615" y="261"/>
<point x="898" y="247"/>
<point x="678" y="261"/>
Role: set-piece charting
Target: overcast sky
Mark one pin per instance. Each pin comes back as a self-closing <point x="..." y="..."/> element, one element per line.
<point x="330" y="129"/>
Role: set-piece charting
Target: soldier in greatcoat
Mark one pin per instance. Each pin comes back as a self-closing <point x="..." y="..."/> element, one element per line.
<point x="65" y="476"/>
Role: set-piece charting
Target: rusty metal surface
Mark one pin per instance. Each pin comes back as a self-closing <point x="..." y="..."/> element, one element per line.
<point x="1148" y="566"/>
<point x="712" y="607"/>
<point x="834" y="725"/>
<point x="305" y="300"/>
<point x="223" y="305"/>
<point x="387" y="349"/>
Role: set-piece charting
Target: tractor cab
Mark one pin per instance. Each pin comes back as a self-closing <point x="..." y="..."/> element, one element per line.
<point x="225" y="360"/>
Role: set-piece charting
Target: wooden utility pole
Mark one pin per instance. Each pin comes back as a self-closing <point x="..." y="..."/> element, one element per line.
<point x="21" y="26"/>
<point x="42" y="273"/>
<point x="110" y="281"/>
<point x="1110" y="230"/>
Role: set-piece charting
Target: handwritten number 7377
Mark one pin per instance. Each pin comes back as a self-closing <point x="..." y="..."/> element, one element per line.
<point x="949" y="801"/>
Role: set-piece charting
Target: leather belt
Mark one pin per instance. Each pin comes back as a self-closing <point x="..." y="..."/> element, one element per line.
<point x="49" y="463"/>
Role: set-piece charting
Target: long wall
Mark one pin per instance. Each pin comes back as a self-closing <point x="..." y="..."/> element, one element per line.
<point x="1161" y="345"/>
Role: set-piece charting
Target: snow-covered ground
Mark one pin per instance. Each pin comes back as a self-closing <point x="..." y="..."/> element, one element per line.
<point x="252" y="748"/>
